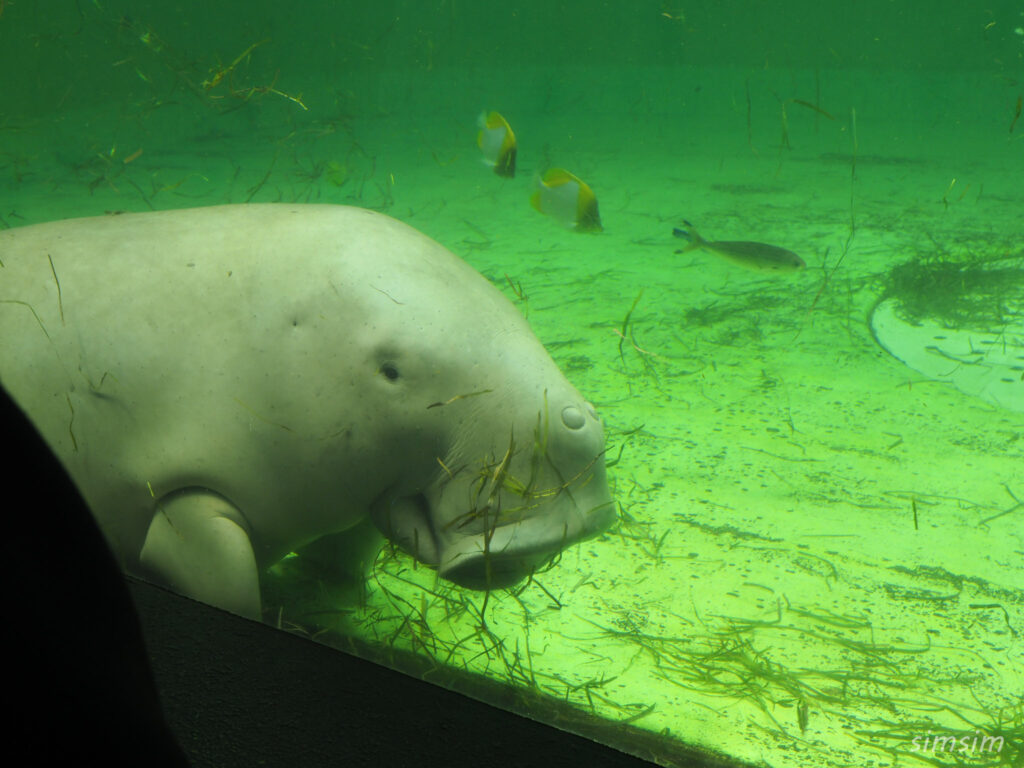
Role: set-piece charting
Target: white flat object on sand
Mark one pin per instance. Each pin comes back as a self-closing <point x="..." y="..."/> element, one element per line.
<point x="986" y="364"/>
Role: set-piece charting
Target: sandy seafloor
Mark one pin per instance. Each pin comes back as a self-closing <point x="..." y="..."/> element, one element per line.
<point x="767" y="594"/>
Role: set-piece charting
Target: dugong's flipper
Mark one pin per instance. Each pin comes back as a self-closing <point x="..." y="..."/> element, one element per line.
<point x="198" y="545"/>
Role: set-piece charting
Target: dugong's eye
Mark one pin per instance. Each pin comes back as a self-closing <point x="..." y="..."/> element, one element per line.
<point x="389" y="371"/>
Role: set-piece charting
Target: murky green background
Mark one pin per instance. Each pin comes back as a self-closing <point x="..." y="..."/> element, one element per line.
<point x="768" y="594"/>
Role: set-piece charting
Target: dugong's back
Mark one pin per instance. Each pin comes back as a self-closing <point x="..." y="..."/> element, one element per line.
<point x="151" y="350"/>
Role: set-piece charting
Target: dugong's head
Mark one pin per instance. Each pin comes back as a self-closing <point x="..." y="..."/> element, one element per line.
<point x="522" y="478"/>
<point x="502" y="459"/>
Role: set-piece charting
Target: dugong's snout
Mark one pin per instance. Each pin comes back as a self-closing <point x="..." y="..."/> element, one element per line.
<point x="564" y="500"/>
<point x="489" y="523"/>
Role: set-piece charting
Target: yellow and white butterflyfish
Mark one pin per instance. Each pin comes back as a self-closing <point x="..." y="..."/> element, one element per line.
<point x="568" y="200"/>
<point x="498" y="143"/>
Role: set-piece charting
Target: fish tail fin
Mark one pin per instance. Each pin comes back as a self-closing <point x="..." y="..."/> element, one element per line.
<point x="690" y="235"/>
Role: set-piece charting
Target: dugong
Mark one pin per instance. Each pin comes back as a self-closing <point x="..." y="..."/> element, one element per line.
<point x="227" y="385"/>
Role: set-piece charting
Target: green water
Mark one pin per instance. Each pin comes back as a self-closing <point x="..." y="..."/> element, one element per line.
<point x="820" y="556"/>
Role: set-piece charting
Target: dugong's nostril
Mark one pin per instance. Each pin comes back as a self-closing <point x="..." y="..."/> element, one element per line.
<point x="573" y="417"/>
<point x="592" y="412"/>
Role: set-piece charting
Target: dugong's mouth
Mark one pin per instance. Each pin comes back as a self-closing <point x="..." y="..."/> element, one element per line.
<point x="500" y="556"/>
<point x="510" y="553"/>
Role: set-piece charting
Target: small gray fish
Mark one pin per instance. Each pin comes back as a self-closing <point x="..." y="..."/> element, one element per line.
<point x="757" y="256"/>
